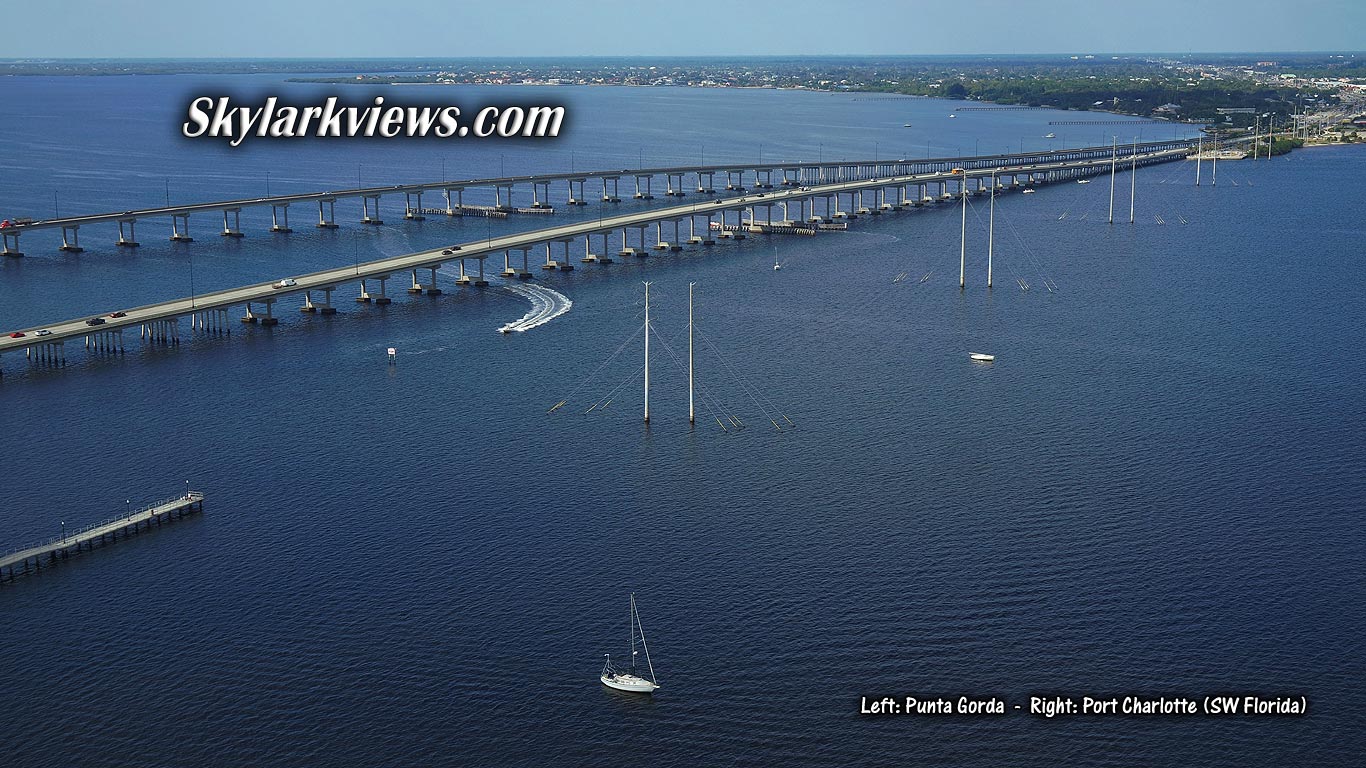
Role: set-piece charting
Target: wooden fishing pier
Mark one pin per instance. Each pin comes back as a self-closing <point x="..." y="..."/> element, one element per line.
<point x="33" y="559"/>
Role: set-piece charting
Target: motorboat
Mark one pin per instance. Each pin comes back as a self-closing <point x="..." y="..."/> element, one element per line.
<point x="979" y="357"/>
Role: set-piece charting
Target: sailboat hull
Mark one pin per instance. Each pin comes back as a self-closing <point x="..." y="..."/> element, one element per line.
<point x="629" y="683"/>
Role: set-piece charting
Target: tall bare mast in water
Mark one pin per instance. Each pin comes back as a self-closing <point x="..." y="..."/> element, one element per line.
<point x="691" y="415"/>
<point x="1133" y="180"/>
<point x="963" y="249"/>
<point x="647" y="353"/>
<point x="1114" y="150"/>
<point x="1199" y="152"/>
<point x="991" y="227"/>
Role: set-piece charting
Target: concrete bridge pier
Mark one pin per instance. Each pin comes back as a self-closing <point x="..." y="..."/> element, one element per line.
<point x="236" y="229"/>
<point x="429" y="288"/>
<point x="581" y="198"/>
<point x="734" y="183"/>
<point x="670" y="245"/>
<point x="213" y="321"/>
<point x="465" y="279"/>
<point x="180" y="228"/>
<point x="328" y="220"/>
<point x="595" y="258"/>
<point x="365" y="217"/>
<point x="674" y="189"/>
<point x="14" y="252"/>
<point x="858" y="206"/>
<point x="48" y="353"/>
<point x="647" y="194"/>
<point x="709" y="186"/>
<point x="166" y="331"/>
<point x="791" y="180"/>
<point x="510" y="271"/>
<point x="105" y="342"/>
<point x="536" y="201"/>
<point x="455" y="210"/>
<point x="498" y="204"/>
<point x="412" y="206"/>
<point x="615" y="197"/>
<point x="74" y="244"/>
<point x="563" y="265"/>
<point x="766" y="174"/>
<point x="279" y="218"/>
<point x="130" y="241"/>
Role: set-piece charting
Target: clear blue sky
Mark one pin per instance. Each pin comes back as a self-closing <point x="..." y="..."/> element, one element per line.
<point x="448" y="28"/>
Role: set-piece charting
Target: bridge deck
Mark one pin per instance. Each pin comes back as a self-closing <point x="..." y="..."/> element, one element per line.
<point x="505" y="181"/>
<point x="480" y="249"/>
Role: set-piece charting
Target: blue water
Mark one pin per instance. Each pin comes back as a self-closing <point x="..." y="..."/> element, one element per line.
<point x="1156" y="488"/>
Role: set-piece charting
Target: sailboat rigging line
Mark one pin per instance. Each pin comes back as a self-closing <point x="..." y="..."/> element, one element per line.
<point x="604" y="364"/>
<point x="749" y="390"/>
<point x="1030" y="256"/>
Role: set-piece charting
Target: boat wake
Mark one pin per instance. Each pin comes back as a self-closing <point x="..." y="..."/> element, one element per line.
<point x="546" y="305"/>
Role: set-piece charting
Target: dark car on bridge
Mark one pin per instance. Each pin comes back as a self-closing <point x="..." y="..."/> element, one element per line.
<point x="95" y="321"/>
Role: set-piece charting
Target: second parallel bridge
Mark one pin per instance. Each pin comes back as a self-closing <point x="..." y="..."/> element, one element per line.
<point x="327" y="280"/>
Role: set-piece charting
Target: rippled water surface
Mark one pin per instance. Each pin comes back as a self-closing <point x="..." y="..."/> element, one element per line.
<point x="1155" y="489"/>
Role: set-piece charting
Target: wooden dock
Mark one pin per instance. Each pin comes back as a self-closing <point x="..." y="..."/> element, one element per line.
<point x="22" y="561"/>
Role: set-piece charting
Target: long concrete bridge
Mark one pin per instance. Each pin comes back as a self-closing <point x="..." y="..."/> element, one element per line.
<point x="925" y="182"/>
<point x="760" y="176"/>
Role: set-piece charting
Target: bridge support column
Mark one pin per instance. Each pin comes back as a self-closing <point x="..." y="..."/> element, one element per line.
<point x="72" y="245"/>
<point x="166" y="331"/>
<point x="328" y="220"/>
<point x="213" y="321"/>
<point x="646" y="195"/>
<point x="382" y="299"/>
<point x="366" y="218"/>
<point x="105" y="342"/>
<point x="49" y="353"/>
<point x="465" y="279"/>
<point x="130" y="241"/>
<point x="459" y="207"/>
<point x="708" y="187"/>
<point x="236" y="229"/>
<point x="325" y="308"/>
<point x="536" y="201"/>
<point x="498" y="204"/>
<point x="413" y="212"/>
<point x="14" y="252"/>
<point x="180" y="228"/>
<point x="279" y="218"/>
<point x="430" y="288"/>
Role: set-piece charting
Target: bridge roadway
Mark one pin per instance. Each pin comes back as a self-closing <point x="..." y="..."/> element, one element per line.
<point x="804" y="172"/>
<point x="480" y="249"/>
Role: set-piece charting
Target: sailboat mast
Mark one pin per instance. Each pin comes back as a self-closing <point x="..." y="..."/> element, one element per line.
<point x="963" y="249"/>
<point x="635" y="614"/>
<point x="991" y="228"/>
<point x="1133" y="181"/>
<point x="1199" y="152"/>
<point x="631" y="625"/>
<point x="1114" y="151"/>
<point x="647" y="353"/>
<point x="691" y="415"/>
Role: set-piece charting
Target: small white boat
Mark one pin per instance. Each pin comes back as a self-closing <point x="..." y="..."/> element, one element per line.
<point x="906" y="125"/>
<point x="952" y="115"/>
<point x="631" y="681"/>
<point x="777" y="266"/>
<point x="980" y="357"/>
<point x="1027" y="192"/>
<point x="1051" y="136"/>
<point x="507" y="329"/>
<point x="1083" y="181"/>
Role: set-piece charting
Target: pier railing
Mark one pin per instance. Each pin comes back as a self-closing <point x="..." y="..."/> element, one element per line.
<point x="188" y="497"/>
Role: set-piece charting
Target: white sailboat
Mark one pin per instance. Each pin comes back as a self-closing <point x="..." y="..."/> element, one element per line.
<point x="631" y="681"/>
